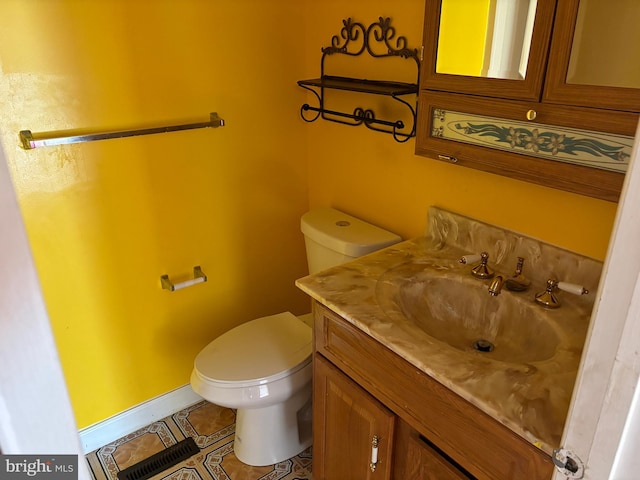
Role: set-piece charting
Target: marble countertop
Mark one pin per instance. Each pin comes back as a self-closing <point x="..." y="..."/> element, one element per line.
<point x="531" y="396"/>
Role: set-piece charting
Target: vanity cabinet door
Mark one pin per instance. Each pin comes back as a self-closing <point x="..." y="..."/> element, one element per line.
<point x="416" y="459"/>
<point x="346" y="419"/>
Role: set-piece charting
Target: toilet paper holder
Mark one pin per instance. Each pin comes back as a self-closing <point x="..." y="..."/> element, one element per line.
<point x="198" y="277"/>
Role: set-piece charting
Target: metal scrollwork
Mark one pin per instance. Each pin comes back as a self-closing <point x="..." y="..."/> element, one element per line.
<point x="380" y="32"/>
<point x="383" y="32"/>
<point x="350" y="32"/>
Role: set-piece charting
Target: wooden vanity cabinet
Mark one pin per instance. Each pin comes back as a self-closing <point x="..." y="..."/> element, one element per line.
<point x="347" y="418"/>
<point x="361" y="388"/>
<point x="417" y="459"/>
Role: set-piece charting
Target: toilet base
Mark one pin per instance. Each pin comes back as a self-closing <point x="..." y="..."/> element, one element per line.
<point x="265" y="436"/>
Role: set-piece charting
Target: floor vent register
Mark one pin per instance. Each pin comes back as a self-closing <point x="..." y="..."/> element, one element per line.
<point x="161" y="461"/>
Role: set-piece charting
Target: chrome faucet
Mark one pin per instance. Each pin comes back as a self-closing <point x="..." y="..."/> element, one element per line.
<point x="515" y="283"/>
<point x="496" y="285"/>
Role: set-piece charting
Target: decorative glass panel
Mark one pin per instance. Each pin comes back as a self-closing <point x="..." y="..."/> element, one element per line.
<point x="581" y="147"/>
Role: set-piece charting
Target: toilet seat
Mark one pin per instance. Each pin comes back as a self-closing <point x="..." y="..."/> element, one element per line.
<point x="256" y="352"/>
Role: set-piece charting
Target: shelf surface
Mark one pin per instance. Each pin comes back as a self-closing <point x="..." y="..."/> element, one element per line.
<point x="377" y="87"/>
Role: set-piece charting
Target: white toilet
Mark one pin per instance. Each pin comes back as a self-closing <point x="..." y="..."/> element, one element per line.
<point x="262" y="368"/>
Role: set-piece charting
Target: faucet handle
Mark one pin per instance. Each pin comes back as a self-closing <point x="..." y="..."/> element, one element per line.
<point x="548" y="298"/>
<point x="467" y="259"/>
<point x="519" y="266"/>
<point x="482" y="270"/>
<point x="573" y="288"/>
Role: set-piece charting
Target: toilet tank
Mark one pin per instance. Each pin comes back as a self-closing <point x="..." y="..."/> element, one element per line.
<point x="332" y="237"/>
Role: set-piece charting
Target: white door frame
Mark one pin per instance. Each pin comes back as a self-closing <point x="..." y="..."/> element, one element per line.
<point x="603" y="426"/>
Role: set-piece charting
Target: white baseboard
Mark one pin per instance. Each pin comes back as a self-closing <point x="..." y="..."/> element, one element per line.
<point x="106" y="431"/>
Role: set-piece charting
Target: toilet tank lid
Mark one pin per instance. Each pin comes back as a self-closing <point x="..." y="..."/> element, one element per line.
<point x="343" y="233"/>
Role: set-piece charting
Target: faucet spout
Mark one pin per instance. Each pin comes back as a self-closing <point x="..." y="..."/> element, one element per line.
<point x="496" y="286"/>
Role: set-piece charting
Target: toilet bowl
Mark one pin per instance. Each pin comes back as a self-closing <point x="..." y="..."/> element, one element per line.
<point x="262" y="368"/>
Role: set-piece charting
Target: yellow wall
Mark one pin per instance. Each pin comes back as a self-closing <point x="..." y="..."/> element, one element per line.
<point x="106" y="219"/>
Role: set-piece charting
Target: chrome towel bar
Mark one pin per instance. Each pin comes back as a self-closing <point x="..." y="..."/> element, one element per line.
<point x="198" y="277"/>
<point x="30" y="141"/>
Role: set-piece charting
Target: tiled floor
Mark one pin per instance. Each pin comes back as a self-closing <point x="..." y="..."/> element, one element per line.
<point x="212" y="428"/>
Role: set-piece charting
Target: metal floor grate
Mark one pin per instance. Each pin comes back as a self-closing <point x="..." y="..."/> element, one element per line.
<point x="160" y="461"/>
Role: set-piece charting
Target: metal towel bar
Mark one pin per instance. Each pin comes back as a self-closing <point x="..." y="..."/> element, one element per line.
<point x="49" y="139"/>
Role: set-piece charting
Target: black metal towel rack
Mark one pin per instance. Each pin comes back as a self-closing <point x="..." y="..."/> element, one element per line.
<point x="354" y="40"/>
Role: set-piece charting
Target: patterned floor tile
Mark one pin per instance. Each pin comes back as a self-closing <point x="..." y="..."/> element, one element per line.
<point x="212" y="427"/>
<point x="206" y="423"/>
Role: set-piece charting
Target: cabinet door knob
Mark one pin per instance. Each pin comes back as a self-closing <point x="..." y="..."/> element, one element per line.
<point x="531" y="115"/>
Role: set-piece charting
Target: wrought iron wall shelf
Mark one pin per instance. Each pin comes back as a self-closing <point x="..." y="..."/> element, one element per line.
<point x="355" y="39"/>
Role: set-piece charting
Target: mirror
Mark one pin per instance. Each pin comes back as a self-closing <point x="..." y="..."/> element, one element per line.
<point x="485" y="38"/>
<point x="604" y="33"/>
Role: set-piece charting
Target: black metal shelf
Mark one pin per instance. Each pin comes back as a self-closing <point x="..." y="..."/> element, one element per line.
<point x="375" y="87"/>
<point x="354" y="40"/>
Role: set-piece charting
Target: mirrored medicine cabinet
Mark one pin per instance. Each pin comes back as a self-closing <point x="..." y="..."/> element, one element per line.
<point x="544" y="91"/>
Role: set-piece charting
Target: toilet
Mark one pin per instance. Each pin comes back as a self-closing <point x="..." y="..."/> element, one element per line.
<point x="262" y="368"/>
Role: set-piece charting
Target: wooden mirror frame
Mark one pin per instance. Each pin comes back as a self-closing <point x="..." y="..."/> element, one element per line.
<point x="528" y="89"/>
<point x="556" y="88"/>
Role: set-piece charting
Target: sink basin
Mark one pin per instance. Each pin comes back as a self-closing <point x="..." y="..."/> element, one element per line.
<point x="456" y="309"/>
